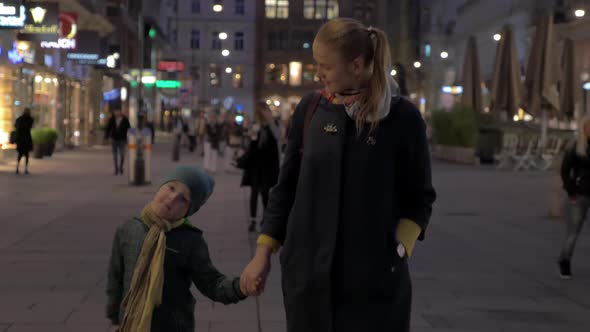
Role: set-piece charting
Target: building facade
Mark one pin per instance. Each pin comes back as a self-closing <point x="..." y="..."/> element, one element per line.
<point x="216" y="42"/>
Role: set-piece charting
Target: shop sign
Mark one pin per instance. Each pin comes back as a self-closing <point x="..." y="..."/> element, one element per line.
<point x="42" y="23"/>
<point x="68" y="31"/>
<point x="12" y="14"/>
<point x="171" y="66"/>
<point x="87" y="48"/>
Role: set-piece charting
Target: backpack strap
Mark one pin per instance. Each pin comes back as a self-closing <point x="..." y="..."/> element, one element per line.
<point x="309" y="112"/>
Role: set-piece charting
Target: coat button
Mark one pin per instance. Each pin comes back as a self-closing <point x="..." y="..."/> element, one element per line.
<point x="393" y="269"/>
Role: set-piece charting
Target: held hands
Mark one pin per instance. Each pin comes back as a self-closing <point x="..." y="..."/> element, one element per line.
<point x="254" y="276"/>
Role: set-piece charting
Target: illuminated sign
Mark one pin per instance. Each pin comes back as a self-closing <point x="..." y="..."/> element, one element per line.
<point x="68" y="31"/>
<point x="166" y="84"/>
<point x="12" y="14"/>
<point x="38" y="14"/>
<point x="87" y="48"/>
<point x="171" y="66"/>
<point x="42" y="23"/>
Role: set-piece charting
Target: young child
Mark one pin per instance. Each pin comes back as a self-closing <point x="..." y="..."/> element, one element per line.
<point x="156" y="257"/>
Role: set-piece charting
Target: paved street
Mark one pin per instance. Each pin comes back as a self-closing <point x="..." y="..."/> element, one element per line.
<point x="488" y="264"/>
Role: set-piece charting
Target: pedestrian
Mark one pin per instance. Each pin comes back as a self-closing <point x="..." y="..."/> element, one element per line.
<point x="191" y="133"/>
<point x="24" y="141"/>
<point x="116" y="132"/>
<point x="575" y="174"/>
<point x="354" y="193"/>
<point x="262" y="166"/>
<point x="156" y="257"/>
<point x="235" y="138"/>
<point x="214" y="136"/>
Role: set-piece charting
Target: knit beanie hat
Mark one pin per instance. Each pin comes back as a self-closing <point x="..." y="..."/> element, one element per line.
<point x="197" y="180"/>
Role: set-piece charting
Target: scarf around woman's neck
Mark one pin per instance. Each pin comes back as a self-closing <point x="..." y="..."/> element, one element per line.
<point x="351" y="100"/>
<point x="145" y="292"/>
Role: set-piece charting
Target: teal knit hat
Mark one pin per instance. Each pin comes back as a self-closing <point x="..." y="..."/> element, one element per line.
<point x="197" y="180"/>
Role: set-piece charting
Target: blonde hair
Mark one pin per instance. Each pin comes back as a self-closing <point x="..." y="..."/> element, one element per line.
<point x="581" y="139"/>
<point x="351" y="39"/>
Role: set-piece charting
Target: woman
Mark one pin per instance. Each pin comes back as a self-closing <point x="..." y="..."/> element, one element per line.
<point x="262" y="170"/>
<point x="575" y="174"/>
<point x="352" y="197"/>
<point x="24" y="141"/>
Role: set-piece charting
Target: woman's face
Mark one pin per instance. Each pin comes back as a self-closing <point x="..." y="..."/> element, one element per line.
<point x="172" y="201"/>
<point x="336" y="74"/>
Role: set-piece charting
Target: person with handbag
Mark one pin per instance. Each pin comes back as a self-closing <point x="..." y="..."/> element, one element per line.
<point x="23" y="138"/>
<point x="261" y="159"/>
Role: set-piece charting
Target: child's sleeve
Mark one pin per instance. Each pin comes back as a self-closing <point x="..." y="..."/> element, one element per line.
<point x="115" y="281"/>
<point x="209" y="281"/>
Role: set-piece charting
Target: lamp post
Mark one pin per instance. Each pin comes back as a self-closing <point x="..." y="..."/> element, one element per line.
<point x="139" y="166"/>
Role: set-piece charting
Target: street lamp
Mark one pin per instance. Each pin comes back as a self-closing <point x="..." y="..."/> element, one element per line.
<point x="444" y="55"/>
<point x="417" y="64"/>
<point x="580" y="13"/>
<point x="393" y="72"/>
<point x="217" y="8"/>
<point x="223" y="36"/>
<point x="497" y="37"/>
<point x="228" y="70"/>
<point x="225" y="52"/>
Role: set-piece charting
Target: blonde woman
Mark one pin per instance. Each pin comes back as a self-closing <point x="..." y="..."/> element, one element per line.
<point x="352" y="197"/>
<point x="575" y="174"/>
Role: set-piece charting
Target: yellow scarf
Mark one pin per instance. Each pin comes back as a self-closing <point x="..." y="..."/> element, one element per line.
<point x="145" y="292"/>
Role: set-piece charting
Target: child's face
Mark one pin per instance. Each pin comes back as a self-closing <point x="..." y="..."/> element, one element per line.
<point x="172" y="201"/>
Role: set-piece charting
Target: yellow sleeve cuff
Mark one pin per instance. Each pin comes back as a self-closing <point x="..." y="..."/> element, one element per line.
<point x="407" y="233"/>
<point x="268" y="241"/>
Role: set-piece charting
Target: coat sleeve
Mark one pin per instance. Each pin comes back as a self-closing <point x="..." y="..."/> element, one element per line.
<point x="282" y="195"/>
<point x="114" y="288"/>
<point x="417" y="193"/>
<point x="209" y="281"/>
<point x="568" y="164"/>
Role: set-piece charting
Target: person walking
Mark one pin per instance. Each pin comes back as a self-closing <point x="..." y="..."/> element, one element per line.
<point x="262" y="169"/>
<point x="354" y="193"/>
<point x="24" y="140"/>
<point x="575" y="174"/>
<point x="116" y="132"/>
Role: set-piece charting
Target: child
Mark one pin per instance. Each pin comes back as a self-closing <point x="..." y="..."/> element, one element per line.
<point x="155" y="258"/>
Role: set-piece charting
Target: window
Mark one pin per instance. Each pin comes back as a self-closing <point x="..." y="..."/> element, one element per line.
<point x="320" y="9"/>
<point x="237" y="77"/>
<point x="195" y="39"/>
<point x="175" y="36"/>
<point x="310" y="75"/>
<point x="239" y="41"/>
<point x="240" y="7"/>
<point x="272" y="40"/>
<point x="195" y="72"/>
<point x="215" y="41"/>
<point x="214" y="75"/>
<point x="363" y="12"/>
<point x="295" y="73"/>
<point x="276" y="74"/>
<point x="196" y="6"/>
<point x="283" y="39"/>
<point x="277" y="8"/>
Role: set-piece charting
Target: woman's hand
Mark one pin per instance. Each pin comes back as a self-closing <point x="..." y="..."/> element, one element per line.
<point x="253" y="279"/>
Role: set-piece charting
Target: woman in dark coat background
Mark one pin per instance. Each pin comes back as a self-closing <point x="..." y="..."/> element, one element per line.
<point x="24" y="141"/>
<point x="262" y="170"/>
<point x="353" y="196"/>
